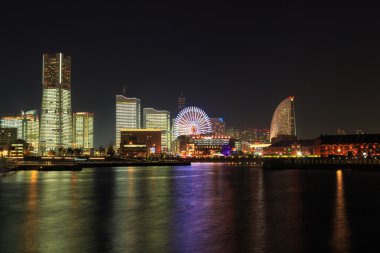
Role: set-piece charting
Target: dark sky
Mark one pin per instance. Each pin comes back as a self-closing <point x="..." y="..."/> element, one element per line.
<point x="235" y="60"/>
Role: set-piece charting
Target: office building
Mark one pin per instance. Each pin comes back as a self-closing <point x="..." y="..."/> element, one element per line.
<point x="27" y="125"/>
<point x="15" y="121"/>
<point x="158" y="119"/>
<point x="56" y="115"/>
<point x="83" y="131"/>
<point x="128" y="115"/>
<point x="7" y="137"/>
<point x="32" y="130"/>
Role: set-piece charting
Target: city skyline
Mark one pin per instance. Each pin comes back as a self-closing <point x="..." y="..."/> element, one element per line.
<point x="227" y="60"/>
<point x="58" y="77"/>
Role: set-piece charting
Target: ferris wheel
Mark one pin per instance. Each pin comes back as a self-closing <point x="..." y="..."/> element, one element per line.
<point x="192" y="121"/>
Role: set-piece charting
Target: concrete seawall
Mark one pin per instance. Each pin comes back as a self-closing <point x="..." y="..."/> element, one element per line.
<point x="78" y="166"/>
<point x="321" y="163"/>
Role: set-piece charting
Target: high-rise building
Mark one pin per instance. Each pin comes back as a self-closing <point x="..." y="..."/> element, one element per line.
<point x="56" y="115"/>
<point x="28" y="127"/>
<point x="15" y="121"/>
<point x="83" y="131"/>
<point x="157" y="119"/>
<point x="284" y="120"/>
<point x="7" y="136"/>
<point x="218" y="126"/>
<point x="181" y="102"/>
<point x="128" y="115"/>
<point x="32" y="127"/>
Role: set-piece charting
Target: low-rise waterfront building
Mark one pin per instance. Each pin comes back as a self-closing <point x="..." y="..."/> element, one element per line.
<point x="140" y="142"/>
<point x="354" y="145"/>
<point x="204" y="145"/>
<point x="292" y="148"/>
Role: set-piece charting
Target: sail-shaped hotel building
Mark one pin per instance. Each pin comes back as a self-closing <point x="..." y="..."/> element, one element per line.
<point x="284" y="120"/>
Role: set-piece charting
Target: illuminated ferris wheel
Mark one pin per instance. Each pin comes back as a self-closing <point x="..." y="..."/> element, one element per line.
<point x="192" y="121"/>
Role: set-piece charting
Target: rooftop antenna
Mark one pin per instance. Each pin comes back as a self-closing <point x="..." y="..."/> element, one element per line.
<point x="124" y="90"/>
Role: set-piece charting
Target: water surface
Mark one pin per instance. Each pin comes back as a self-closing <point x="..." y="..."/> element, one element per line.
<point x="202" y="208"/>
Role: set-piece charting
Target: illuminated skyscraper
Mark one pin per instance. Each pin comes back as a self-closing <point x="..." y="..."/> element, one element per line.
<point x="154" y="119"/>
<point x="284" y="120"/>
<point x="56" y="116"/>
<point x="32" y="130"/>
<point x="128" y="115"/>
<point x="17" y="122"/>
<point x="27" y="125"/>
<point x="83" y="130"/>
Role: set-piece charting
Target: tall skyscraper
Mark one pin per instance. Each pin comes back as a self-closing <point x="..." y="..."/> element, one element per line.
<point x="56" y="115"/>
<point x="181" y="102"/>
<point x="284" y="120"/>
<point x="128" y="115"/>
<point x="155" y="119"/>
<point x="83" y="131"/>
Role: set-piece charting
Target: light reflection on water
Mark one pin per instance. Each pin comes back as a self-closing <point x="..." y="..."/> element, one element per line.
<point x="202" y="208"/>
<point x="341" y="231"/>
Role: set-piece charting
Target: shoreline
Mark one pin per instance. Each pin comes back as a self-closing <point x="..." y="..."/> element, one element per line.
<point x="65" y="166"/>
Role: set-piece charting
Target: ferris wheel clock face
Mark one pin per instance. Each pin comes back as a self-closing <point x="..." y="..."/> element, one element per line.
<point x="192" y="121"/>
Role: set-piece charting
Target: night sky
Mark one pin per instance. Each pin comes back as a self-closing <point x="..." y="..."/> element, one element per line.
<point x="234" y="60"/>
